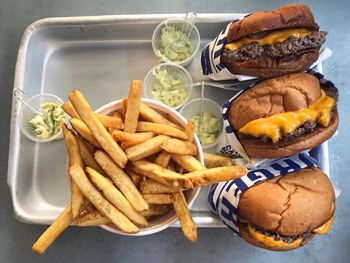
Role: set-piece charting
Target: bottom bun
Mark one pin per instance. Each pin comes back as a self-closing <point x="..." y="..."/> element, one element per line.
<point x="255" y="148"/>
<point x="243" y="229"/>
<point x="271" y="67"/>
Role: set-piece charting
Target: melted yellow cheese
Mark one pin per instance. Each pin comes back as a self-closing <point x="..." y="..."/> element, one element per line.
<point x="271" y="242"/>
<point x="274" y="37"/>
<point x="277" y="125"/>
<point x="324" y="228"/>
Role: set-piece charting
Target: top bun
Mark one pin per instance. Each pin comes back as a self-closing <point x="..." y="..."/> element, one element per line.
<point x="287" y="93"/>
<point x="291" y="204"/>
<point x="289" y="16"/>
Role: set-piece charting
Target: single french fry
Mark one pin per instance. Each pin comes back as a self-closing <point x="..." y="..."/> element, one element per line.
<point x="133" y="106"/>
<point x="122" y="181"/>
<point x="74" y="157"/>
<point x="69" y="109"/>
<point x="80" y="127"/>
<point x="125" y="106"/>
<point x="94" y="218"/>
<point x="151" y="115"/>
<point x="180" y="147"/>
<point x="215" y="175"/>
<point x="188" y="162"/>
<point x="113" y="195"/>
<point x="110" y="122"/>
<point x="160" y="174"/>
<point x="190" y="130"/>
<point x="155" y="210"/>
<point x="163" y="159"/>
<point x="117" y="114"/>
<point x="163" y="129"/>
<point x="188" y="226"/>
<point x="132" y="137"/>
<point x="126" y="144"/>
<point x="158" y="199"/>
<point x="150" y="186"/>
<point x="88" y="157"/>
<point x="97" y="129"/>
<point x="53" y="231"/>
<point x="147" y="148"/>
<point x="101" y="204"/>
<point x="214" y="160"/>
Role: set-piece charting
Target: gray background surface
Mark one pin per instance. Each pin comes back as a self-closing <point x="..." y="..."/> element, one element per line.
<point x="96" y="245"/>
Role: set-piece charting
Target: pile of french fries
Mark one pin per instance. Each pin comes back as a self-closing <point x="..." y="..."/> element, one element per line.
<point x="128" y="167"/>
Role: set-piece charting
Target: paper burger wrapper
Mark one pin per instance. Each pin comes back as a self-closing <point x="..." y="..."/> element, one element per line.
<point x="229" y="144"/>
<point x="213" y="67"/>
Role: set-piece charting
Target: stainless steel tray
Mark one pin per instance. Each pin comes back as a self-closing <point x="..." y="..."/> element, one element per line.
<point x="99" y="55"/>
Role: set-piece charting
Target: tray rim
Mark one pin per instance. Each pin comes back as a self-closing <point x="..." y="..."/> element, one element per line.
<point x="14" y="145"/>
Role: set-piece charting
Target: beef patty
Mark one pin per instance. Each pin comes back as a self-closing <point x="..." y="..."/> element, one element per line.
<point x="290" y="47"/>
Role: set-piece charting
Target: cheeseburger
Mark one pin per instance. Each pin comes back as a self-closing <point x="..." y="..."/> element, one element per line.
<point x="271" y="44"/>
<point x="282" y="116"/>
<point x="285" y="212"/>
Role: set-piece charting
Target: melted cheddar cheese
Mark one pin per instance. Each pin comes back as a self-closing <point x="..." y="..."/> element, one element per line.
<point x="324" y="228"/>
<point x="280" y="124"/>
<point x="274" y="37"/>
<point x="271" y="242"/>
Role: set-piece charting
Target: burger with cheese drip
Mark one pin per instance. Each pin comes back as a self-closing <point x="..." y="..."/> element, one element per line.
<point x="283" y="116"/>
<point x="286" y="212"/>
<point x="271" y="44"/>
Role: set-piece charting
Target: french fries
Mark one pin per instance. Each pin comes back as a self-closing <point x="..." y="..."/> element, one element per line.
<point x="188" y="226"/>
<point x="97" y="129"/>
<point x="180" y="147"/>
<point x="163" y="159"/>
<point x="133" y="106"/>
<point x="147" y="148"/>
<point x="110" y="122"/>
<point x="134" y="138"/>
<point x="101" y="204"/>
<point x="69" y="109"/>
<point x="80" y="127"/>
<point x="215" y="175"/>
<point x="163" y="129"/>
<point x="122" y="181"/>
<point x="107" y="121"/>
<point x="160" y="174"/>
<point x="158" y="199"/>
<point x="157" y="151"/>
<point x="150" y="186"/>
<point x="215" y="160"/>
<point x="88" y="157"/>
<point x="155" y="210"/>
<point x="53" y="231"/>
<point x="74" y="159"/>
<point x="188" y="162"/>
<point x="113" y="195"/>
<point x="190" y="130"/>
<point x="151" y="115"/>
<point x="93" y="218"/>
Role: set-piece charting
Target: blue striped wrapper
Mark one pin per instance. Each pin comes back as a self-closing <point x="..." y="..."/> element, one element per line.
<point x="223" y="198"/>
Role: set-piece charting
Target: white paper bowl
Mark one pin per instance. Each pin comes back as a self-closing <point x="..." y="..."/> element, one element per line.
<point x="162" y="222"/>
<point x="193" y="107"/>
<point x="174" y="70"/>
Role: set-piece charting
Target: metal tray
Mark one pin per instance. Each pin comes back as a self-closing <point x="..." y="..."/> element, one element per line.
<point x="98" y="55"/>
